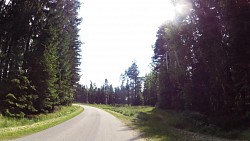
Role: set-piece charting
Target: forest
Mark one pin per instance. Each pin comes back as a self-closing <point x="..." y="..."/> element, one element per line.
<point x="201" y="64"/>
<point x="39" y="55"/>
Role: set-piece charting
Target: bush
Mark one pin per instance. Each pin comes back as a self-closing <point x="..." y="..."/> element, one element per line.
<point x="193" y="119"/>
<point x="228" y="123"/>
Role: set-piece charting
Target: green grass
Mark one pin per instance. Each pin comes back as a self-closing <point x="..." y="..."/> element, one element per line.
<point x="11" y="128"/>
<point x="141" y="118"/>
<point x="160" y="125"/>
<point x="125" y="113"/>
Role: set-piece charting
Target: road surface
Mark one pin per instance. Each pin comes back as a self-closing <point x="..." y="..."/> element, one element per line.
<point x="91" y="125"/>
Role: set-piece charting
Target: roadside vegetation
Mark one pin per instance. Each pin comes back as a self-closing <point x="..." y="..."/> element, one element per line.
<point x="200" y="77"/>
<point x="162" y="125"/>
<point x="16" y="127"/>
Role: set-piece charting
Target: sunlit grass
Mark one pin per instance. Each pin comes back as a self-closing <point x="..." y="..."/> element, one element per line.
<point x="123" y="112"/>
<point x="12" y="128"/>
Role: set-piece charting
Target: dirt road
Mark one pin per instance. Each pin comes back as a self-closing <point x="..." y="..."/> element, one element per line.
<point x="91" y="125"/>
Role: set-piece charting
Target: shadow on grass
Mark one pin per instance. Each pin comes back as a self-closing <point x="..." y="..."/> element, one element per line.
<point x="159" y="125"/>
<point x="154" y="125"/>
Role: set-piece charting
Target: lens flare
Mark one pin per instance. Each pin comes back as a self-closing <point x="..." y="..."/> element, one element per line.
<point x="183" y="8"/>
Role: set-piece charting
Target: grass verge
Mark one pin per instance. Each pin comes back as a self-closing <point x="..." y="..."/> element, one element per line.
<point x="136" y="117"/>
<point x="160" y="125"/>
<point x="11" y="128"/>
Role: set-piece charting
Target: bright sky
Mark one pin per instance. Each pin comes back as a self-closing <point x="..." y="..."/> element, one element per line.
<point x="116" y="32"/>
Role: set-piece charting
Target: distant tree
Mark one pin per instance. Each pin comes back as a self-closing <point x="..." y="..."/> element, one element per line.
<point x="80" y="94"/>
<point x="106" y="91"/>
<point x="131" y="76"/>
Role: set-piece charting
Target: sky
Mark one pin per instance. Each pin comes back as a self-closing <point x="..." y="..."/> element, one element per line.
<point x="117" y="32"/>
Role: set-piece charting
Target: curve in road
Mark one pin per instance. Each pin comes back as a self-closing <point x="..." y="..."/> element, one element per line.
<point x="91" y="125"/>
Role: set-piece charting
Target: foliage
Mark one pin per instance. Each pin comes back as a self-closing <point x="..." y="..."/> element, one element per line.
<point x="150" y="89"/>
<point x="39" y="55"/>
<point x="202" y="60"/>
<point x="20" y="97"/>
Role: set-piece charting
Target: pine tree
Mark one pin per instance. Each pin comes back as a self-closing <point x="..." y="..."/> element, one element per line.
<point x="202" y="55"/>
<point x="39" y="55"/>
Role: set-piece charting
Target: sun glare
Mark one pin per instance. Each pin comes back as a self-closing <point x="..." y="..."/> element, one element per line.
<point x="183" y="8"/>
<point x="179" y="8"/>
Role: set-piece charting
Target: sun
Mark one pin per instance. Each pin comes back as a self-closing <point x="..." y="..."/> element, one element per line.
<point x="183" y="8"/>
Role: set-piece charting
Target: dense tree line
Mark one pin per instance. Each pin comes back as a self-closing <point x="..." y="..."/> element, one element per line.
<point x="92" y="94"/>
<point x="39" y="55"/>
<point x="202" y="59"/>
<point x="128" y="93"/>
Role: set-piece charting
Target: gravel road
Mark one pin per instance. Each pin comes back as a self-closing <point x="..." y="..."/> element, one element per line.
<point x="91" y="125"/>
